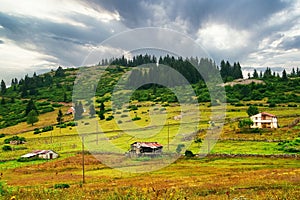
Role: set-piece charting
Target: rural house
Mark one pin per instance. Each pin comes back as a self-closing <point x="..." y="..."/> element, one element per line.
<point x="264" y="120"/>
<point x="70" y="111"/>
<point x="45" y="154"/>
<point x="145" y="148"/>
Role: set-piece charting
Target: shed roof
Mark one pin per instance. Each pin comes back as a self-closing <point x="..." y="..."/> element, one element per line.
<point x="148" y="144"/>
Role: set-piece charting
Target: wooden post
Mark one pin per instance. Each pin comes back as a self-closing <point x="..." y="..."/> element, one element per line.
<point x="83" y="177"/>
<point x="97" y="132"/>
<point x="168" y="137"/>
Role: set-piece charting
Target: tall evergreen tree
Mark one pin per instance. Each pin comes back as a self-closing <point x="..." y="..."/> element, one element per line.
<point x="59" y="72"/>
<point x="78" y="110"/>
<point x="102" y="111"/>
<point x="293" y="73"/>
<point x="30" y="106"/>
<point x="59" y="117"/>
<point x="92" y="111"/>
<point x="284" y="75"/>
<point x="3" y="87"/>
<point x="32" y="117"/>
<point x="255" y="74"/>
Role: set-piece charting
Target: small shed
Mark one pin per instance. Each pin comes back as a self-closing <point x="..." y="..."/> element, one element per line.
<point x="70" y="111"/>
<point x="145" y="148"/>
<point x="45" y="154"/>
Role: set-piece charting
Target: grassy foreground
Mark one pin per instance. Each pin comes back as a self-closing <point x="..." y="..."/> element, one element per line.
<point x="208" y="178"/>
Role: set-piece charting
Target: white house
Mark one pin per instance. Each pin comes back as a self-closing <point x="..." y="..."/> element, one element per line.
<point x="45" y="154"/>
<point x="264" y="120"/>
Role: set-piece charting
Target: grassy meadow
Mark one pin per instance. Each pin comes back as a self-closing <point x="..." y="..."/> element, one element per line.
<point x="211" y="177"/>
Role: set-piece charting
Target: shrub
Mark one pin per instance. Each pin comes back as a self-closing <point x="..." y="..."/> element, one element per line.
<point x="21" y="139"/>
<point x="120" y="121"/>
<point x="272" y="105"/>
<point x="61" y="185"/>
<point x="122" y="116"/>
<point x="109" y="118"/>
<point x="47" y="128"/>
<point x="133" y="107"/>
<point x="136" y="118"/>
<point x="57" y="105"/>
<point x="189" y="154"/>
<point x="2" y="135"/>
<point x="29" y="159"/>
<point x="45" y="110"/>
<point x="72" y="124"/>
<point x="162" y="109"/>
<point x="6" y="148"/>
<point x="62" y="126"/>
<point x="37" y="131"/>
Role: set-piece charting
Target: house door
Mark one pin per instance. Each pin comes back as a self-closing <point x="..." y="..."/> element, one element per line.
<point x="51" y="156"/>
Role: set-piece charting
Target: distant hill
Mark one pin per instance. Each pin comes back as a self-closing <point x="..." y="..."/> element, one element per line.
<point x="52" y="89"/>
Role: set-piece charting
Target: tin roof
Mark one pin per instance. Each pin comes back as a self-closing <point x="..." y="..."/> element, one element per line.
<point x="36" y="152"/>
<point x="152" y="145"/>
<point x="268" y="114"/>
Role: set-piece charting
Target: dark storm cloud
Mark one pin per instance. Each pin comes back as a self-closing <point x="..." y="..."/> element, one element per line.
<point x="62" y="41"/>
<point x="290" y="43"/>
<point x="241" y="14"/>
<point x="66" y="43"/>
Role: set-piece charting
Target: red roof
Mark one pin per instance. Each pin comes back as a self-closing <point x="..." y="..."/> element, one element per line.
<point x="148" y="144"/>
<point x="268" y="114"/>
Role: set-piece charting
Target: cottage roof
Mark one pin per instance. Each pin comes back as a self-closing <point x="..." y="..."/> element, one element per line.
<point x="268" y="114"/>
<point x="36" y="152"/>
<point x="153" y="145"/>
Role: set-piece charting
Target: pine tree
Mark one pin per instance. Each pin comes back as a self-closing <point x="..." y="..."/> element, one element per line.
<point x="102" y="111"/>
<point x="78" y="110"/>
<point x="284" y="76"/>
<point x="293" y="73"/>
<point x="255" y="74"/>
<point x="3" y="87"/>
<point x="59" y="118"/>
<point x="30" y="106"/>
<point x="92" y="111"/>
<point x="59" y="72"/>
<point x="32" y="117"/>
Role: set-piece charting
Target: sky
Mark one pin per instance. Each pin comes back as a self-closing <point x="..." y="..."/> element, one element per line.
<point x="37" y="36"/>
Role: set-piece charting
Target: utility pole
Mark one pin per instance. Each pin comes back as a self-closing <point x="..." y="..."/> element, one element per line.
<point x="51" y="138"/>
<point x="83" y="178"/>
<point x="97" y="132"/>
<point x="168" y="136"/>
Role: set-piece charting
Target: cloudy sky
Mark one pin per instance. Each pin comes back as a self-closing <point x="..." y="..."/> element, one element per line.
<point x="41" y="35"/>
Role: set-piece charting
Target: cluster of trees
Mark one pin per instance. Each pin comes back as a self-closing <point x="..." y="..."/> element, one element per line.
<point x="188" y="67"/>
<point x="31" y="87"/>
<point x="229" y="72"/>
<point x="171" y="71"/>
<point x="267" y="74"/>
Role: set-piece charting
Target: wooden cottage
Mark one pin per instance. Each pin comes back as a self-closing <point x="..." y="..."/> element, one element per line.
<point x="264" y="120"/>
<point x="145" y="148"/>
